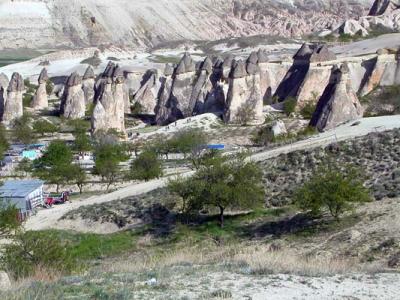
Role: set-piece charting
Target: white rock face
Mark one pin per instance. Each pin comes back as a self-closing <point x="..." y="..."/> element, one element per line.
<point x="5" y="282"/>
<point x="244" y="97"/>
<point x="73" y="100"/>
<point x="40" y="99"/>
<point x="109" y="111"/>
<point x="77" y="23"/>
<point x="13" y="107"/>
<point x="279" y="128"/>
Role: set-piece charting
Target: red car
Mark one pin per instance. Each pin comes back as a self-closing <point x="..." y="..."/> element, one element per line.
<point x="54" y="200"/>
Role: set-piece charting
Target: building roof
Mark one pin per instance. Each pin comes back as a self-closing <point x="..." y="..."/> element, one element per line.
<point x="19" y="188"/>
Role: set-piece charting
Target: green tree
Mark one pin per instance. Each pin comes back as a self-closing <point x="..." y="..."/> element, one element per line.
<point x="55" y="166"/>
<point x="82" y="142"/>
<point x="191" y="143"/>
<point x="24" y="167"/>
<point x="42" y="127"/>
<point x="79" y="177"/>
<point x="234" y="184"/>
<point x="107" y="161"/>
<point x="22" y="131"/>
<point x="332" y="190"/>
<point x="146" y="166"/>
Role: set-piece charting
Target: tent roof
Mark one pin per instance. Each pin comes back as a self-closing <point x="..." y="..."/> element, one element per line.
<point x="19" y="188"/>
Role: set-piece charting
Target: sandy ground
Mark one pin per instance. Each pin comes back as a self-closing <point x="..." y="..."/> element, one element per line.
<point x="46" y="219"/>
<point x="290" y="287"/>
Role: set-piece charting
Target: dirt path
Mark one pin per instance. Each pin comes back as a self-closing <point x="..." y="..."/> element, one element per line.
<point x="45" y="219"/>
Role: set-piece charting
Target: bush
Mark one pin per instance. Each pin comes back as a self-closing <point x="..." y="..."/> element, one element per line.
<point x="263" y="136"/>
<point x="32" y="250"/>
<point x="308" y="110"/>
<point x="22" y="131"/>
<point x="49" y="87"/>
<point x="8" y="219"/>
<point x="289" y="106"/>
<point x="331" y="190"/>
<point x="147" y="166"/>
<point x="42" y="127"/>
<point x="137" y="109"/>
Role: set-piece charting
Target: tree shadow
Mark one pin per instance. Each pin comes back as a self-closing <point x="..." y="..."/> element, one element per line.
<point x="294" y="224"/>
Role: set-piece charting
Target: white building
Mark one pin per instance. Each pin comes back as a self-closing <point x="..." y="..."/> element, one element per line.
<point x="25" y="195"/>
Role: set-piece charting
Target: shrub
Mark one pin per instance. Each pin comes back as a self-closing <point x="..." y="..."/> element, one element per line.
<point x="8" y="219"/>
<point x="331" y="190"/>
<point x="136" y="109"/>
<point x="32" y="250"/>
<point x="289" y="106"/>
<point x="42" y="127"/>
<point x="49" y="87"/>
<point x="308" y="110"/>
<point x="263" y="136"/>
<point x="22" y="131"/>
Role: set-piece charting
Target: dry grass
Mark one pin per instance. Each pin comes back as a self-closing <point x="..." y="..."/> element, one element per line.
<point x="257" y="259"/>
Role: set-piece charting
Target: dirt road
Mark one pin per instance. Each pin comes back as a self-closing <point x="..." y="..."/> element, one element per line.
<point x="45" y="219"/>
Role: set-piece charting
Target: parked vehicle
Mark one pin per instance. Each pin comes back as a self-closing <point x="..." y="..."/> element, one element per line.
<point x="52" y="199"/>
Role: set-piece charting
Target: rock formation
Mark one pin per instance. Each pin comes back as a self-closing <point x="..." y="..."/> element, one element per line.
<point x="381" y="7"/>
<point x="109" y="107"/>
<point x="383" y="70"/>
<point x="88" y="85"/>
<point x="13" y="107"/>
<point x="308" y="76"/>
<point x="40" y="99"/>
<point x="3" y="91"/>
<point x="180" y="99"/>
<point x="60" y="23"/>
<point x="147" y="95"/>
<point x="162" y="109"/>
<point x="213" y="85"/>
<point x="339" y="103"/>
<point x="73" y="99"/>
<point x="244" y="98"/>
<point x="384" y="15"/>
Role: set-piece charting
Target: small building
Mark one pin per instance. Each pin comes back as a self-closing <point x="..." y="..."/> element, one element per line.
<point x="25" y="195"/>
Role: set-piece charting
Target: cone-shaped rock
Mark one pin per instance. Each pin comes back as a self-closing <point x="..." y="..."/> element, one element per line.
<point x="40" y="99"/>
<point x="147" y="95"/>
<point x="109" y="110"/>
<point x="88" y="85"/>
<point x="13" y="107"/>
<point x="73" y="99"/>
<point x="339" y="103"/>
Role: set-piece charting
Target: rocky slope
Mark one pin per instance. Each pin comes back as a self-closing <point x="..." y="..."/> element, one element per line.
<point x="58" y="23"/>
